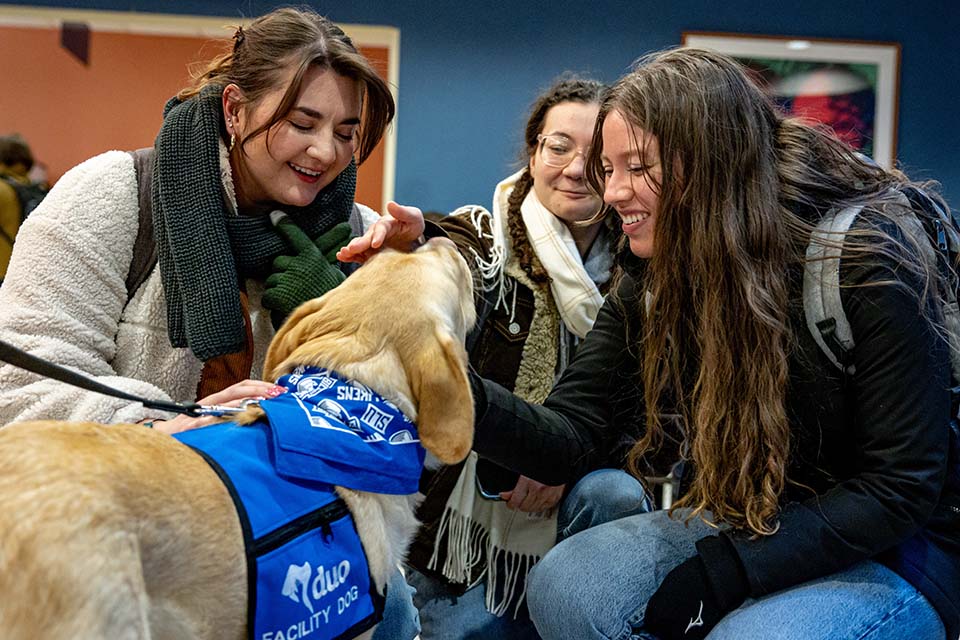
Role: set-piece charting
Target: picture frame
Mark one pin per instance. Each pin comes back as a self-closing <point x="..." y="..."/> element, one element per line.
<point x="851" y="85"/>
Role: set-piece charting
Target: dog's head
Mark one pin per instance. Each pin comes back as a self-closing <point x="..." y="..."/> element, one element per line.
<point x="397" y="325"/>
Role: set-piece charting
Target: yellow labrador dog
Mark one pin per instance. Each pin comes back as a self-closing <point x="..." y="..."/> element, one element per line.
<point x="122" y="532"/>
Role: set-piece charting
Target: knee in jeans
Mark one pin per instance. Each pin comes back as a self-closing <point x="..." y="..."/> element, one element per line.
<point x="557" y="580"/>
<point x="542" y="584"/>
<point x="613" y="491"/>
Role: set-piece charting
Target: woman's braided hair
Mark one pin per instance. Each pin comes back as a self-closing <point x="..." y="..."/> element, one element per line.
<point x="567" y="88"/>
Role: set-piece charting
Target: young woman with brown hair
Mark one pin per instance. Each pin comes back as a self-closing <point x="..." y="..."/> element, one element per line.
<point x="274" y="123"/>
<point x="820" y="504"/>
<point x="278" y="122"/>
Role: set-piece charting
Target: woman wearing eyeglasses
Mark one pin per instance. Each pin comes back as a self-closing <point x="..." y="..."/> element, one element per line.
<point x="543" y="264"/>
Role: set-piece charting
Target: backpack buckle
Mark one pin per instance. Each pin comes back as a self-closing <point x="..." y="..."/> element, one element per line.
<point x="828" y="331"/>
<point x="941" y="235"/>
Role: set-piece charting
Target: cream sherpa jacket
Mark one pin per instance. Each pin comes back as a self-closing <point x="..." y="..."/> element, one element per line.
<point x="65" y="299"/>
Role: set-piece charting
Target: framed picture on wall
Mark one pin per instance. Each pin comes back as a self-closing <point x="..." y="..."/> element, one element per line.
<point x="853" y="86"/>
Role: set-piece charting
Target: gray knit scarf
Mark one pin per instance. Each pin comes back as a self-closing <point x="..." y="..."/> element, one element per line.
<point x="203" y="248"/>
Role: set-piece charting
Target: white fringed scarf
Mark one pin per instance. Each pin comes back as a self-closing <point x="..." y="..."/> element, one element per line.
<point x="576" y="295"/>
<point x="573" y="283"/>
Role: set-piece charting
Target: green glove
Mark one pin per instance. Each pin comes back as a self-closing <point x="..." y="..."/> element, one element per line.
<point x="309" y="274"/>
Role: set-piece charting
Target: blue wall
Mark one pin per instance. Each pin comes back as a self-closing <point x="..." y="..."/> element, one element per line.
<point x="469" y="69"/>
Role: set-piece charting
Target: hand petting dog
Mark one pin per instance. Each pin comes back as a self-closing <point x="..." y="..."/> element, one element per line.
<point x="400" y="228"/>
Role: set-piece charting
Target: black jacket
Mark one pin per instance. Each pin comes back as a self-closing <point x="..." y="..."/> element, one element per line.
<point x="874" y="447"/>
<point x="496" y="348"/>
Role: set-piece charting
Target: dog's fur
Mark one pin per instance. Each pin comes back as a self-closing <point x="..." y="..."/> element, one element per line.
<point x="122" y="532"/>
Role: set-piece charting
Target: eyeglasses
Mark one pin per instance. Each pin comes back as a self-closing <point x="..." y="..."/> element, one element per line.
<point x="559" y="151"/>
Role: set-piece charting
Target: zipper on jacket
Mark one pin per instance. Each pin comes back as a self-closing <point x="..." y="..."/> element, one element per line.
<point x="321" y="518"/>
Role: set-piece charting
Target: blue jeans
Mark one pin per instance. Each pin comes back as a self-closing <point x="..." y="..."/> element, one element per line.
<point x="599" y="497"/>
<point x="597" y="584"/>
<point x="400" y="618"/>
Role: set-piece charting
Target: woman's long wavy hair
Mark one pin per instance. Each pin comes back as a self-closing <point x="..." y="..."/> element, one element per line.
<point x="742" y="187"/>
<point x="264" y="52"/>
<point x="568" y="88"/>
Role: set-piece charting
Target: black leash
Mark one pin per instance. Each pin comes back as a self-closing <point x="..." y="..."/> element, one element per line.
<point x="22" y="359"/>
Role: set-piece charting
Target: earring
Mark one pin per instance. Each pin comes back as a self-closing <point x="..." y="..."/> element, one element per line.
<point x="233" y="141"/>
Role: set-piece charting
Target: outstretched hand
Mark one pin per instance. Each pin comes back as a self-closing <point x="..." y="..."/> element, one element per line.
<point x="698" y="592"/>
<point x="400" y="228"/>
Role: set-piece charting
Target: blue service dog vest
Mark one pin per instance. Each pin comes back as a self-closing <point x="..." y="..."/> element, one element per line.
<point x="307" y="574"/>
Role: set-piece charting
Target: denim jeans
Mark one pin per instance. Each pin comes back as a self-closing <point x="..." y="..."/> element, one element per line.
<point x="400" y="618"/>
<point x="596" y="585"/>
<point x="599" y="497"/>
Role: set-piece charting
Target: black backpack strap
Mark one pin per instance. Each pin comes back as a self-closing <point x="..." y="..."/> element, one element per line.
<point x="357" y="227"/>
<point x="144" y="248"/>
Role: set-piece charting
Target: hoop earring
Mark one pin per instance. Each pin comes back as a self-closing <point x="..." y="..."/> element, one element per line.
<point x="233" y="142"/>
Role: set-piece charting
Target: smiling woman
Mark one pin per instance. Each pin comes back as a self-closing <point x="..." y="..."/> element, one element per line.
<point x="632" y="181"/>
<point x="291" y="162"/>
<point x="242" y="202"/>
<point x="557" y="169"/>
<point x="247" y="137"/>
<point x="817" y="500"/>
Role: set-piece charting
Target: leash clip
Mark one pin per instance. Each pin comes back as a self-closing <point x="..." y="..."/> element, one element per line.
<point x="218" y="411"/>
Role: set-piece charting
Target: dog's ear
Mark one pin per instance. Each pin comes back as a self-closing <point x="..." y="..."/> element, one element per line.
<point x="289" y="336"/>
<point x="437" y="370"/>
